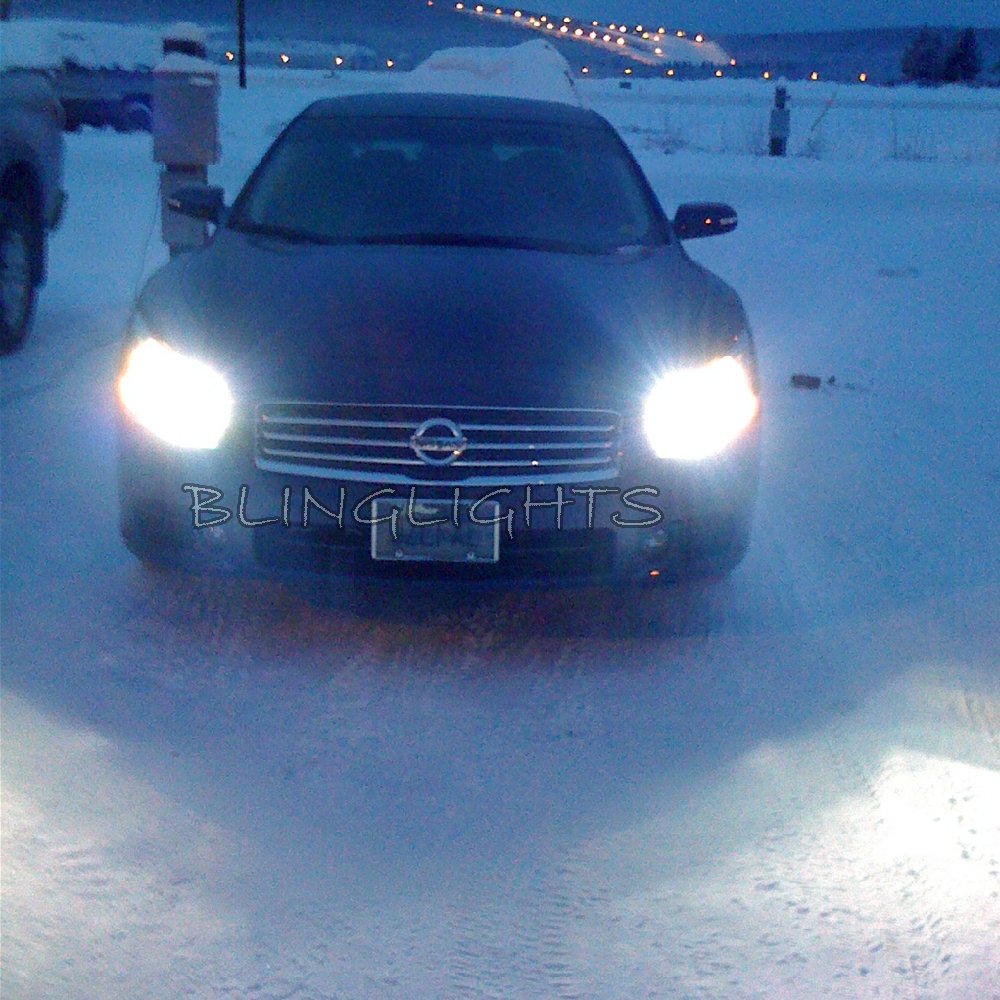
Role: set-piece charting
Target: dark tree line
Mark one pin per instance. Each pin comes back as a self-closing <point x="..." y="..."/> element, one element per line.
<point x="928" y="60"/>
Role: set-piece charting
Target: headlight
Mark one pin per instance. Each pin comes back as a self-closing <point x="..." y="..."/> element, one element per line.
<point x="180" y="399"/>
<point x="695" y="413"/>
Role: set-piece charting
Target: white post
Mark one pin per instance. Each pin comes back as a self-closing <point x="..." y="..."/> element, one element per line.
<point x="185" y="128"/>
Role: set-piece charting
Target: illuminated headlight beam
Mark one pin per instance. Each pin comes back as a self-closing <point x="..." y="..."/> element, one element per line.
<point x="695" y="413"/>
<point x="180" y="399"/>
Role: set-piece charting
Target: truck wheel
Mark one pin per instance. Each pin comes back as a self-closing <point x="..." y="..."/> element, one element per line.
<point x="18" y="242"/>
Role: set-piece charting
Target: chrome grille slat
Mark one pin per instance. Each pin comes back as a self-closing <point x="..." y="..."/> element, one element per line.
<point x="504" y="446"/>
<point x="542" y="428"/>
<point x="513" y="446"/>
<point x="320" y="422"/>
<point x="557" y="462"/>
<point x="364" y="459"/>
<point x="323" y="439"/>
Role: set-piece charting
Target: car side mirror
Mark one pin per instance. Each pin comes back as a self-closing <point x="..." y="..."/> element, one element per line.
<point x="704" y="218"/>
<point x="205" y="202"/>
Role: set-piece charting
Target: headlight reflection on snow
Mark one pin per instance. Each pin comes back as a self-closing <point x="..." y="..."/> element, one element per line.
<point x="695" y="413"/>
<point x="181" y="400"/>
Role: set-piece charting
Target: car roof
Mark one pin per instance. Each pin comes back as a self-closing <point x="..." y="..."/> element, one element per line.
<point x="414" y="105"/>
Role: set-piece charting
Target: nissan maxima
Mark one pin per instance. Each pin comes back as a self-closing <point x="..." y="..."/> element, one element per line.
<point x="442" y="336"/>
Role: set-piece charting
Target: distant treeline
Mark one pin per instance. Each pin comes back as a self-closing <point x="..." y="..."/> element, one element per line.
<point x="929" y="58"/>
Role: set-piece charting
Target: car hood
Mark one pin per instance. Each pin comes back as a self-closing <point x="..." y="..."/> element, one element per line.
<point x="440" y="324"/>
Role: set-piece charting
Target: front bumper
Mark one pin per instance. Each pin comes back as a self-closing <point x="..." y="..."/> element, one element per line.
<point x="222" y="511"/>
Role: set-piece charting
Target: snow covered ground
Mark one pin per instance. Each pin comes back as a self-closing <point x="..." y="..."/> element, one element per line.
<point x="786" y="786"/>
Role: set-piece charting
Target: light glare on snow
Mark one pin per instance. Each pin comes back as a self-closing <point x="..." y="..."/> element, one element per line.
<point x="182" y="400"/>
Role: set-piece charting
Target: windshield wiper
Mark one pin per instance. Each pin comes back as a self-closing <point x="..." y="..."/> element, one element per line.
<point x="286" y="233"/>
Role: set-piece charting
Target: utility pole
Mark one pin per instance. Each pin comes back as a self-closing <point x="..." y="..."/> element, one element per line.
<point x="241" y="32"/>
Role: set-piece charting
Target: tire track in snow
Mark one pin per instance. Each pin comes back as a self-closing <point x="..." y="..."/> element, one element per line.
<point x="514" y="940"/>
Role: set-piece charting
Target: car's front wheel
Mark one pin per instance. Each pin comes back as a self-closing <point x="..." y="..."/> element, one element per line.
<point x="19" y="239"/>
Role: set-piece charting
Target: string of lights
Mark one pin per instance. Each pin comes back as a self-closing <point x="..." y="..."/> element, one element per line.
<point x="669" y="48"/>
<point x="639" y="43"/>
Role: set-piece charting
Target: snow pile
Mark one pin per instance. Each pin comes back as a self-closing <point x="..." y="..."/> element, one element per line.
<point x="534" y="70"/>
<point x="42" y="44"/>
<point x="186" y="31"/>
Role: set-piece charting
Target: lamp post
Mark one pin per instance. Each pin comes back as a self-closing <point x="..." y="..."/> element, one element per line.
<point x="241" y="37"/>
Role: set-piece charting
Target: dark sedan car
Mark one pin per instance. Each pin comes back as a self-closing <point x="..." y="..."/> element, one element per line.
<point x="447" y="336"/>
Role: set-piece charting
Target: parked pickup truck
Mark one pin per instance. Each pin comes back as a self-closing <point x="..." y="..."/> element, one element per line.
<point x="31" y="193"/>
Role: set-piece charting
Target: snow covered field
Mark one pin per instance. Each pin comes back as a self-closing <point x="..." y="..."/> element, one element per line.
<point x="786" y="786"/>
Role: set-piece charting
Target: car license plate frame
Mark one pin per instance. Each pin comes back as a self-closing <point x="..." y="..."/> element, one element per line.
<point x="471" y="543"/>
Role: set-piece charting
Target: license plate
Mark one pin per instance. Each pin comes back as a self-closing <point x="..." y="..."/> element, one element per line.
<point x="416" y="540"/>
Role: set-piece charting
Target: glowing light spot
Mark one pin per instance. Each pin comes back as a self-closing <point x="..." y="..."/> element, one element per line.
<point x="862" y="78"/>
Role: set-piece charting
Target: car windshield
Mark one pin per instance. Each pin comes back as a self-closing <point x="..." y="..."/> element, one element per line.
<point x="466" y="182"/>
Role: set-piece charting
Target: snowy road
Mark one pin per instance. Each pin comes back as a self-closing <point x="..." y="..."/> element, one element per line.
<point x="786" y="786"/>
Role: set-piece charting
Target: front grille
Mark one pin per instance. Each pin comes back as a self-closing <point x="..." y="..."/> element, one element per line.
<point x="509" y="447"/>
